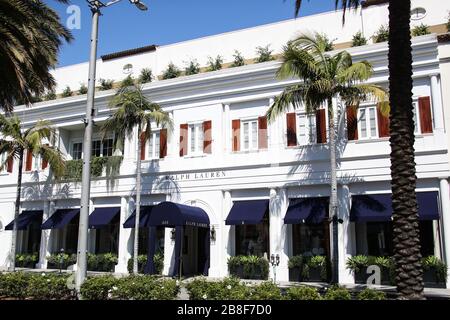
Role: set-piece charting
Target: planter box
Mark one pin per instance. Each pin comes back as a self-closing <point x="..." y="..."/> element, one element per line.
<point x="430" y="279"/>
<point x="386" y="277"/>
<point x="237" y="272"/>
<point x="295" y="274"/>
<point x="361" y="276"/>
<point x="314" y="275"/>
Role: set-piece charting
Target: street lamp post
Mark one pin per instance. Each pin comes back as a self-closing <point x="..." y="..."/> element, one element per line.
<point x="95" y="6"/>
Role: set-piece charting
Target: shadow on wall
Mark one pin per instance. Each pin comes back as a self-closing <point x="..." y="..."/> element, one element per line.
<point x="47" y="188"/>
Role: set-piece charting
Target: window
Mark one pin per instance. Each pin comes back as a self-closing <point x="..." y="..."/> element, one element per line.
<point x="108" y="146"/>
<point x="306" y="130"/>
<point x="77" y="150"/>
<point x="310" y="239"/>
<point x="249" y="135"/>
<point x="2" y="161"/>
<point x="153" y="145"/>
<point x="96" y="148"/>
<point x="367" y="123"/>
<point x="253" y="239"/>
<point x="195" y="138"/>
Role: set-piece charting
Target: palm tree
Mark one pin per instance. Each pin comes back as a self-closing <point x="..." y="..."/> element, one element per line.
<point x="406" y="238"/>
<point x="14" y="142"/>
<point x="324" y="77"/>
<point x="30" y="37"/>
<point x="134" y="109"/>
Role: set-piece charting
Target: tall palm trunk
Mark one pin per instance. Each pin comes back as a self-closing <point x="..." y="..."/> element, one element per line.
<point x="407" y="257"/>
<point x="138" y="204"/>
<point x="16" y="212"/>
<point x="333" y="192"/>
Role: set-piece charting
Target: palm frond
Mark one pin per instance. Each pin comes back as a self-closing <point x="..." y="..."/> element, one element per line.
<point x="55" y="159"/>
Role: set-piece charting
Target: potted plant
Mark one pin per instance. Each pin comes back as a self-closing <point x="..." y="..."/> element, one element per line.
<point x="358" y="265"/>
<point x="235" y="266"/>
<point x="255" y="267"/>
<point x="386" y="265"/>
<point x="434" y="272"/>
<point x="295" y="267"/>
<point x="315" y="269"/>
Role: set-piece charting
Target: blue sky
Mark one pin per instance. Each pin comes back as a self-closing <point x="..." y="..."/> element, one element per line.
<point x="123" y="27"/>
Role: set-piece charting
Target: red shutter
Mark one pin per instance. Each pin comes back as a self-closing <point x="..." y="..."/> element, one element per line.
<point x="291" y="129"/>
<point x="9" y="165"/>
<point x="425" y="115"/>
<point x="183" y="139"/>
<point x="262" y="132"/>
<point x="321" y="126"/>
<point x="352" y="123"/>
<point x="207" y="137"/>
<point x="236" y="128"/>
<point x="44" y="164"/>
<point x="142" y="142"/>
<point x="383" y="124"/>
<point x="162" y="143"/>
<point x="28" y="160"/>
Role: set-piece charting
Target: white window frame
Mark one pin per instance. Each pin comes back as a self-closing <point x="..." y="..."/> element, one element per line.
<point x="78" y="141"/>
<point x="416" y="118"/>
<point x="367" y="121"/>
<point x="153" y="152"/>
<point x="310" y="126"/>
<point x="2" y="159"/>
<point x="198" y="148"/>
<point x="251" y="147"/>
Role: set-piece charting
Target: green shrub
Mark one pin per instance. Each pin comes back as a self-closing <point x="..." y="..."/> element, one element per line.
<point x="215" y="63"/>
<point x="370" y="294"/>
<point x="67" y="92"/>
<point x="420" y="30"/>
<point x="357" y="263"/>
<point x="252" y="267"/>
<point x="238" y="59"/>
<point x="171" y="72"/>
<point x="324" y="42"/>
<point x="127" y="82"/>
<point x="264" y="54"/>
<point x="106" y="84"/>
<point x="61" y="260"/>
<point x="158" y="260"/>
<point x="51" y="95"/>
<point x="382" y="35"/>
<point x="265" y="291"/>
<point x="315" y="262"/>
<point x="102" y="262"/>
<point x="83" y="89"/>
<point x="434" y="263"/>
<point x="295" y="261"/>
<point x="193" y="67"/>
<point x="48" y="286"/>
<point x="26" y="260"/>
<point x="228" y="289"/>
<point x="14" y="285"/>
<point x="303" y="293"/>
<point x="141" y="287"/>
<point x="98" y="288"/>
<point x="359" y="40"/>
<point x="337" y="293"/>
<point x="146" y="75"/>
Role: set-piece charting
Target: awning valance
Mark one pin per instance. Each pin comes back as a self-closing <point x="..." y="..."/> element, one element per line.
<point x="170" y="214"/>
<point x="378" y="207"/>
<point x="307" y="210"/>
<point x="60" y="218"/>
<point x="143" y="217"/>
<point x="25" y="219"/>
<point x="247" y="212"/>
<point x="102" y="217"/>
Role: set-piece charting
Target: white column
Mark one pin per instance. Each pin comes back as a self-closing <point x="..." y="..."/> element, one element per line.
<point x="91" y="232"/>
<point x="226" y="138"/>
<point x="124" y="238"/>
<point x="171" y="140"/>
<point x="44" y="250"/>
<point x="285" y="237"/>
<point x="345" y="245"/>
<point x="274" y="228"/>
<point x="445" y="207"/>
<point x="228" y="234"/>
<point x="438" y="113"/>
<point x="169" y="247"/>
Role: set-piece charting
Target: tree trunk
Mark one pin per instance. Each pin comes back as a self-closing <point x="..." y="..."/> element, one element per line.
<point x="16" y="212"/>
<point x="333" y="191"/>
<point x="407" y="257"/>
<point x="138" y="204"/>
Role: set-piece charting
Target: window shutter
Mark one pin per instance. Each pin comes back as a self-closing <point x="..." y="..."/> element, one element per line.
<point x="162" y="143"/>
<point x="262" y="132"/>
<point x="183" y="139"/>
<point x="352" y="123"/>
<point x="236" y="128"/>
<point x="425" y="115"/>
<point x="28" y="160"/>
<point x="9" y="165"/>
<point x="207" y="137"/>
<point x="321" y="126"/>
<point x="383" y="124"/>
<point x="291" y="129"/>
<point x="142" y="142"/>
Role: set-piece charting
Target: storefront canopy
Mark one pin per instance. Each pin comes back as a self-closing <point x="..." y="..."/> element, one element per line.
<point x="378" y="207"/>
<point x="170" y="214"/>
<point x="143" y="217"/>
<point x="247" y="212"/>
<point x="25" y="219"/>
<point x="308" y="210"/>
<point x="101" y="217"/>
<point x="60" y="218"/>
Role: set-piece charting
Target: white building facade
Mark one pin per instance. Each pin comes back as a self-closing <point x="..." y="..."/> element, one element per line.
<point x="223" y="154"/>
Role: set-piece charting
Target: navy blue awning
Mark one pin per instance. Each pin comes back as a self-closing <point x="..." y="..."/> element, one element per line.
<point x="308" y="210"/>
<point x="378" y="207"/>
<point x="247" y="212"/>
<point x="102" y="217"/>
<point x="143" y="217"/>
<point x="25" y="219"/>
<point x="60" y="218"/>
<point x="170" y="214"/>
